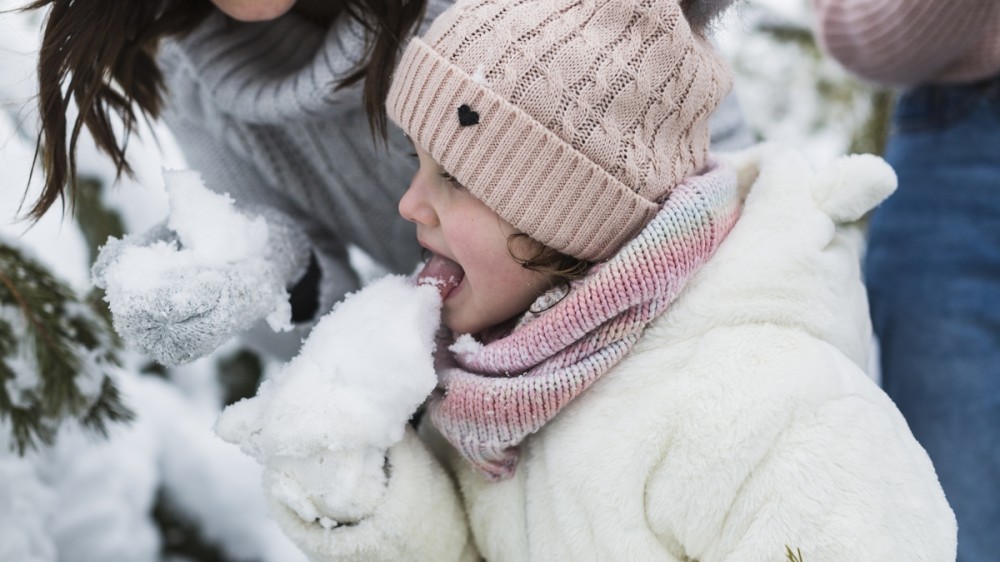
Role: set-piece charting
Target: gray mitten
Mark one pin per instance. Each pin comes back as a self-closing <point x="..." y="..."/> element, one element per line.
<point x="180" y="290"/>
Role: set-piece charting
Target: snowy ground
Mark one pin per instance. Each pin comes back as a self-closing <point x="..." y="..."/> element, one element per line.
<point x="93" y="498"/>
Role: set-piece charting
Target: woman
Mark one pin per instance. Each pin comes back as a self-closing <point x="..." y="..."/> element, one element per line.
<point x="276" y="102"/>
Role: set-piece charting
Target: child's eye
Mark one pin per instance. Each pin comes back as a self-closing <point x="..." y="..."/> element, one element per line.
<point x="414" y="155"/>
<point x="451" y="179"/>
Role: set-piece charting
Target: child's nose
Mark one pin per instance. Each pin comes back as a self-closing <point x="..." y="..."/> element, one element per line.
<point x="415" y="207"/>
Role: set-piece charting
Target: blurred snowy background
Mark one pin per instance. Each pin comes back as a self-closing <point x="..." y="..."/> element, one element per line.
<point x="163" y="486"/>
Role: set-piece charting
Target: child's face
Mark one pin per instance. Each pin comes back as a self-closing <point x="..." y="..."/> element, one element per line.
<point x="481" y="283"/>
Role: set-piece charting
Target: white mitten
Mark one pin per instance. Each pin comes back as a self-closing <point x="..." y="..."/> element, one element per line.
<point x="211" y="271"/>
<point x="322" y="425"/>
<point x="332" y="487"/>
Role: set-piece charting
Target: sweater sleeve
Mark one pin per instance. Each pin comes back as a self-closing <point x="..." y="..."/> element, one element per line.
<point x="420" y="517"/>
<point x="903" y="42"/>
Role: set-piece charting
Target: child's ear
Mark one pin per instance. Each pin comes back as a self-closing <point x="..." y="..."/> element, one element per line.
<point x="701" y="13"/>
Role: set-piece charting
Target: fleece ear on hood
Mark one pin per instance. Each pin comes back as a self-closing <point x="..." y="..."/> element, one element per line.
<point x="793" y="257"/>
<point x="853" y="185"/>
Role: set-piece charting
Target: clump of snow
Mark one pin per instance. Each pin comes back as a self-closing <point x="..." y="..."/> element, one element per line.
<point x="280" y="319"/>
<point x="439" y="282"/>
<point x="22" y="388"/>
<point x="94" y="365"/>
<point x="216" y="244"/>
<point x="208" y="223"/>
<point x="465" y="345"/>
<point x="479" y="76"/>
<point x="343" y="401"/>
<point x="211" y="233"/>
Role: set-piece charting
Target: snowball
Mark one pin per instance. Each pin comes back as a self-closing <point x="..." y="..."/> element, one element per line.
<point x="363" y="371"/>
<point x="208" y="223"/>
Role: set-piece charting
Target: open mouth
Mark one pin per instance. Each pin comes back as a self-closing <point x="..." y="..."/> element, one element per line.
<point x="443" y="273"/>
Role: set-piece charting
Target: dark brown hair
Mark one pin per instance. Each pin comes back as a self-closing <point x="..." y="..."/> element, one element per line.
<point x="101" y="54"/>
<point x="536" y="256"/>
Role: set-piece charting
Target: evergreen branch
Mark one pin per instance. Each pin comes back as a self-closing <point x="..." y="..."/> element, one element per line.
<point x="15" y="295"/>
<point x="793" y="556"/>
<point x="59" y="367"/>
<point x="108" y="408"/>
<point x="787" y="32"/>
<point x="96" y="222"/>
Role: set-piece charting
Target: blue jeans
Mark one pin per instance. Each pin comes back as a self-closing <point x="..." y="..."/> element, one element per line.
<point x="933" y="275"/>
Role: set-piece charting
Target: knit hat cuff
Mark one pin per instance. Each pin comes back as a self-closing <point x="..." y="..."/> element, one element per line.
<point x="511" y="162"/>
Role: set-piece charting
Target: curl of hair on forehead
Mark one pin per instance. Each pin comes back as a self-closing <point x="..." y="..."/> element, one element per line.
<point x="100" y="54"/>
<point x="534" y="255"/>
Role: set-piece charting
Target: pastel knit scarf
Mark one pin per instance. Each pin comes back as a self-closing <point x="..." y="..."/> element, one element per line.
<point x="497" y="394"/>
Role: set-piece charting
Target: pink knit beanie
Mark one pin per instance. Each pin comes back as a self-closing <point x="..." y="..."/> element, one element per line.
<point x="571" y="119"/>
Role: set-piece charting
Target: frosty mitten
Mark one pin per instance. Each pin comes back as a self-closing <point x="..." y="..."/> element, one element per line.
<point x="322" y="425"/>
<point x="330" y="487"/>
<point x="115" y="247"/>
<point x="211" y="271"/>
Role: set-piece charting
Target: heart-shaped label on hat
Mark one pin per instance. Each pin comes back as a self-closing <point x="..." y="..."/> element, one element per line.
<point x="466" y="116"/>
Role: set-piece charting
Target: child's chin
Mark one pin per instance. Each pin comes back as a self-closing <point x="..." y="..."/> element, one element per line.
<point x="459" y="323"/>
<point x="456" y="325"/>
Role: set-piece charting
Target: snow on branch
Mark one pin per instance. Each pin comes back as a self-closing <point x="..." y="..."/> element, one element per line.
<point x="56" y="357"/>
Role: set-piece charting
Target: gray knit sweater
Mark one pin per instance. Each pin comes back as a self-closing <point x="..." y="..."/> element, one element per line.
<point x="254" y="109"/>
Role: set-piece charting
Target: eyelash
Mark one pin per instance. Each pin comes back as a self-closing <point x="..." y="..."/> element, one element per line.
<point x="450" y="178"/>
<point x="444" y="175"/>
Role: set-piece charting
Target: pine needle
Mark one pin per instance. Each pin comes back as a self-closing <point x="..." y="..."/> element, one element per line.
<point x="51" y="343"/>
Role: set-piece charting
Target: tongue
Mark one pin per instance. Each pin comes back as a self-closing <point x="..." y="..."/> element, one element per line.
<point x="442" y="273"/>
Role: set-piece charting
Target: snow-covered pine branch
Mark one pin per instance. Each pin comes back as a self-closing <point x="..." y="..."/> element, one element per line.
<point x="56" y="354"/>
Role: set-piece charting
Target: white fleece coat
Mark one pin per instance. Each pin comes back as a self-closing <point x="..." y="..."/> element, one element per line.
<point x="742" y="423"/>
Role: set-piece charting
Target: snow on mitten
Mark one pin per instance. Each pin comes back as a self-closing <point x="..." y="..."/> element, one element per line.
<point x="212" y="271"/>
<point x="113" y="249"/>
<point x="331" y="487"/>
<point x="322" y="425"/>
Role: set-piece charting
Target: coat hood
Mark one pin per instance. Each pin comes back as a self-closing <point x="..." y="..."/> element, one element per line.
<point x="793" y="258"/>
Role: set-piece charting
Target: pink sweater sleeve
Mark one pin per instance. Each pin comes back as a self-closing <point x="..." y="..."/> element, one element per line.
<point x="906" y="42"/>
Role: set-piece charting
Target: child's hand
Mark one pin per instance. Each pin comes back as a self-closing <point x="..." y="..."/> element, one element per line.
<point x="186" y="286"/>
<point x="321" y="427"/>
<point x="332" y="487"/>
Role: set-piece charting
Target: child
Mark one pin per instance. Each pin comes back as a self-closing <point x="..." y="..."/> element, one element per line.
<point x="621" y="396"/>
